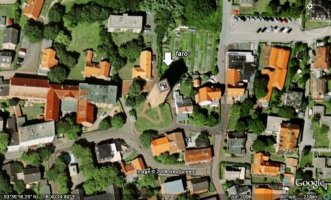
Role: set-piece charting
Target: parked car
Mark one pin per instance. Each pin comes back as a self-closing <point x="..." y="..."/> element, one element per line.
<point x="259" y="30"/>
<point x="264" y="29"/>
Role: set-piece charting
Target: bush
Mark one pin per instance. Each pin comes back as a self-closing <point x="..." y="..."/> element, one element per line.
<point x="4" y="140"/>
<point x="260" y="85"/>
<point x="286" y="112"/>
<point x="133" y="113"/>
<point x="68" y="128"/>
<point x="165" y="158"/>
<point x="56" y="13"/>
<point x="51" y="31"/>
<point x="118" y="120"/>
<point x="131" y="50"/>
<point x="147" y="137"/>
<point x="57" y="74"/>
<point x="33" y="30"/>
<point x="59" y="174"/>
<point x="105" y="124"/>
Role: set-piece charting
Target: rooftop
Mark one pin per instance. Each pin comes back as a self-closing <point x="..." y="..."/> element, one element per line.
<point x="33" y="8"/>
<point x="195" y="156"/>
<point x="37" y="131"/>
<point x="125" y="21"/>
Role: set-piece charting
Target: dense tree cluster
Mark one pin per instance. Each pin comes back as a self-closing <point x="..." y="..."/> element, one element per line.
<point x="56" y="13"/>
<point x="120" y="6"/>
<point x="287" y="9"/>
<point x="118" y="120"/>
<point x="145" y="139"/>
<point x="89" y="13"/>
<point x="105" y="124"/>
<point x="5" y="186"/>
<point x="263" y="143"/>
<point x="260" y="85"/>
<point x="186" y="87"/>
<point x="135" y="95"/>
<point x="33" y="30"/>
<point x="166" y="158"/>
<point x="36" y="157"/>
<point x="59" y="174"/>
<point x="66" y="58"/>
<point x="68" y="128"/>
<point x="131" y="50"/>
<point x="96" y="179"/>
<point x="201" y="117"/>
<point x="57" y="74"/>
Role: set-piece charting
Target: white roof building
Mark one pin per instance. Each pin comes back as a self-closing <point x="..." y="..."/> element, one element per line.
<point x="235" y="173"/>
<point x="122" y="23"/>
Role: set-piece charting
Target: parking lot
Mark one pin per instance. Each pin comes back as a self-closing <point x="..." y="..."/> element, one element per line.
<point x="272" y="26"/>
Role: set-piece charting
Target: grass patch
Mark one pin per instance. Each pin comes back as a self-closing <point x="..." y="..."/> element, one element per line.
<point x="309" y="25"/>
<point x="157" y="121"/>
<point x="84" y="36"/>
<point x="33" y="112"/>
<point x="260" y="7"/>
<point x="123" y="37"/>
<point x="69" y="3"/>
<point x="320" y="135"/>
<point x="45" y="8"/>
<point x="6" y="10"/>
<point x="306" y="160"/>
<point x="130" y="157"/>
<point x="277" y="157"/>
<point x="262" y="179"/>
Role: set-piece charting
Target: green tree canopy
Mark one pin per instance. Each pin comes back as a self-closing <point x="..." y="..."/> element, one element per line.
<point x="148" y="180"/>
<point x="51" y="31"/>
<point x="256" y="126"/>
<point x="135" y="95"/>
<point x="118" y="120"/>
<point x="263" y="143"/>
<point x="4" y="140"/>
<point x="105" y="124"/>
<point x="67" y="58"/>
<point x="59" y="174"/>
<point x="130" y="191"/>
<point x="57" y="74"/>
<point x="146" y="138"/>
<point x="19" y="186"/>
<point x="131" y="50"/>
<point x="68" y="128"/>
<point x="36" y="157"/>
<point x="33" y="30"/>
<point x="63" y="37"/>
<point x="186" y="88"/>
<point x="260" y="86"/>
<point x="5" y="187"/>
<point x="56" y="13"/>
<point x="286" y="112"/>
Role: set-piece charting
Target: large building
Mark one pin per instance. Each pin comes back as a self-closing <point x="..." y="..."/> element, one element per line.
<point x="32" y="8"/>
<point x="276" y="71"/>
<point x="208" y="96"/>
<point x="287" y="138"/>
<point x="32" y="135"/>
<point x="198" y="156"/>
<point x="48" y="59"/>
<point x="98" y="70"/>
<point x="123" y="23"/>
<point x="62" y="99"/>
<point x="172" y="143"/>
<point x="144" y="70"/>
<point x="262" y="165"/>
<point x="10" y="38"/>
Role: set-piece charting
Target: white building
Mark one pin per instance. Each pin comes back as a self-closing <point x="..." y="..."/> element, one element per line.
<point x="123" y="23"/>
<point x="235" y="173"/>
<point x="34" y="135"/>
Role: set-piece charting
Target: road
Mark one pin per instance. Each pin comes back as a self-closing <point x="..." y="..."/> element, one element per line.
<point x="224" y="106"/>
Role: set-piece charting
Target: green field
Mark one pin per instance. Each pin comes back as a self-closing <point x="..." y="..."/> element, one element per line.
<point x="84" y="36"/>
<point x="69" y="3"/>
<point x="316" y="24"/>
<point x="154" y="120"/>
<point x="200" y="45"/>
<point x="306" y="160"/>
<point x="46" y="6"/>
<point x="123" y="37"/>
<point x="33" y="112"/>
<point x="260" y="7"/>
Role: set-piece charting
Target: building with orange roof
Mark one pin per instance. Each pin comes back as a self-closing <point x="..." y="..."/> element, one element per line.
<point x="48" y="59"/>
<point x="145" y="69"/>
<point x="172" y="143"/>
<point x="208" y="96"/>
<point x="262" y="165"/>
<point x="266" y="194"/>
<point x="235" y="92"/>
<point x="99" y="70"/>
<point x="197" y="156"/>
<point x="322" y="58"/>
<point x="232" y="77"/>
<point x="287" y="138"/>
<point x="276" y="70"/>
<point x="131" y="168"/>
<point x="32" y="8"/>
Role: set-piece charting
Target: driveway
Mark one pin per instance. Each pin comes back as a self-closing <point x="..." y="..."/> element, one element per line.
<point x="32" y="57"/>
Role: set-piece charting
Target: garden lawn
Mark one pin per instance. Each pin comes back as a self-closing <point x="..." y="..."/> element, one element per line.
<point x="153" y="120"/>
<point x="320" y="135"/>
<point x="84" y="36"/>
<point x="260" y="7"/>
<point x="6" y="10"/>
<point x="45" y="8"/>
<point x="262" y="179"/>
<point x="306" y="160"/>
<point x="69" y="3"/>
<point x="123" y="37"/>
<point x="33" y="112"/>
<point x="315" y="24"/>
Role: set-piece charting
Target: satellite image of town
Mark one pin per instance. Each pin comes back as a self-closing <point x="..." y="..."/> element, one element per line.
<point x="165" y="100"/>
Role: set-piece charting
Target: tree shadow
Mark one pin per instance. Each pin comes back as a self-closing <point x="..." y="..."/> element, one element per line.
<point x="174" y="72"/>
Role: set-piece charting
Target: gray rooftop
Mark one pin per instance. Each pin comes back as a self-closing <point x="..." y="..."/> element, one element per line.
<point x="294" y="99"/>
<point x="10" y="35"/>
<point x="31" y="175"/>
<point x="173" y="187"/>
<point x="6" y="57"/>
<point x="69" y="105"/>
<point x="199" y="184"/>
<point x="4" y="87"/>
<point x="125" y="21"/>
<point x="100" y="93"/>
<point x="37" y="131"/>
<point x="181" y="101"/>
<point x="273" y="124"/>
<point x="11" y="171"/>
